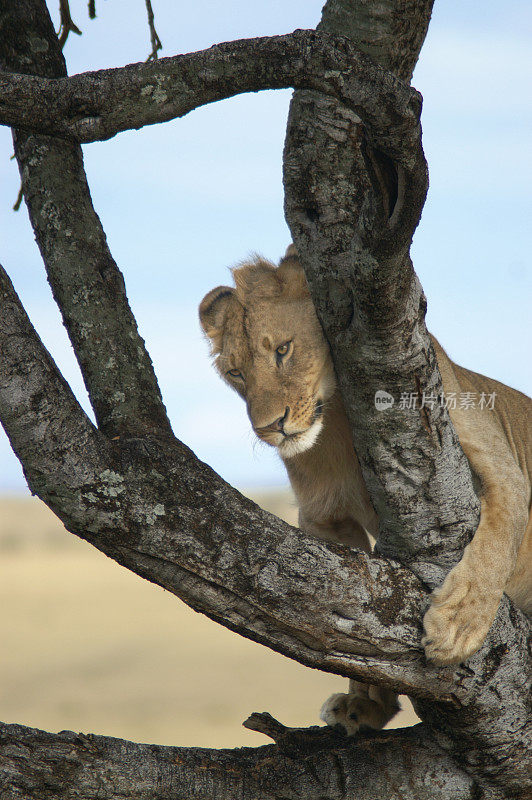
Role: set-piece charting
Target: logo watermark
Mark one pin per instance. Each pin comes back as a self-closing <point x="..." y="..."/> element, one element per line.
<point x="415" y="401"/>
<point x="383" y="400"/>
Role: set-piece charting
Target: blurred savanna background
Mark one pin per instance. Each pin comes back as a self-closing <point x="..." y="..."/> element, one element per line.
<point x="89" y="646"/>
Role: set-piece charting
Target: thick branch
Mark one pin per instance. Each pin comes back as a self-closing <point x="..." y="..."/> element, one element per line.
<point x="85" y="280"/>
<point x="158" y="510"/>
<point x="97" y="105"/>
<point x="317" y="764"/>
<point x="132" y="500"/>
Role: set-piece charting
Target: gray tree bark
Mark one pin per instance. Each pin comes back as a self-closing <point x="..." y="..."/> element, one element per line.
<point x="354" y="197"/>
<point x="313" y="764"/>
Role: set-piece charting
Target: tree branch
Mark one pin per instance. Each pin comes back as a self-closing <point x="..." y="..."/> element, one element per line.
<point x="372" y="309"/>
<point x="47" y="428"/>
<point x="86" y="283"/>
<point x="159" y="511"/>
<point x="328" y="607"/>
<point x="317" y="764"/>
<point x="96" y="105"/>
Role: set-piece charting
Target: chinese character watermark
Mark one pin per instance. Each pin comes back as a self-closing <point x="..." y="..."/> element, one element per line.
<point x="414" y="401"/>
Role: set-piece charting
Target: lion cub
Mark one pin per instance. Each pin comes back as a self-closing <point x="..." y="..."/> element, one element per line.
<point x="269" y="347"/>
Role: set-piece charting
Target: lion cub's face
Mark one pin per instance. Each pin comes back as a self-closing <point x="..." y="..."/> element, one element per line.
<point x="269" y="346"/>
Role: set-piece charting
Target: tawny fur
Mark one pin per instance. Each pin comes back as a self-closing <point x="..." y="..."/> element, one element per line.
<point x="293" y="404"/>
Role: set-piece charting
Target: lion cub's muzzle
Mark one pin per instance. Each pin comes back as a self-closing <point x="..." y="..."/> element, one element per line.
<point x="290" y="433"/>
<point x="274" y="432"/>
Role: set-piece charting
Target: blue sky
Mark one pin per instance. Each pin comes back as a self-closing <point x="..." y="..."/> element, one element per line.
<point x="183" y="201"/>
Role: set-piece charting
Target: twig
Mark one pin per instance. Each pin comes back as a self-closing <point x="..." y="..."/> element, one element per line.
<point x="92" y="9"/>
<point x="266" y="724"/>
<point x="293" y="741"/>
<point x="20" y="194"/>
<point x="67" y="24"/>
<point x="156" y="44"/>
<point x="18" y="201"/>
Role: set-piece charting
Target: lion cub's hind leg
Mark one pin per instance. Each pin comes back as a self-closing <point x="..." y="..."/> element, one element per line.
<point x="364" y="706"/>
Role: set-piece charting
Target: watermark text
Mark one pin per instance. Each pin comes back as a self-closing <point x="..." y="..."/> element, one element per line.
<point x="415" y="401"/>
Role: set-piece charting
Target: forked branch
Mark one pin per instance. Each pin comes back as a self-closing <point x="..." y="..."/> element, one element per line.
<point x="156" y="509"/>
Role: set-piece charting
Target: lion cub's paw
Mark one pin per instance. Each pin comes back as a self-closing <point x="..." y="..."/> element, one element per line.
<point x="459" y="617"/>
<point x="371" y="708"/>
<point x="334" y="712"/>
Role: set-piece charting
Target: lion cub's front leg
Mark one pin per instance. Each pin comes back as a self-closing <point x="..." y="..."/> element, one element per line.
<point x="464" y="606"/>
<point x="363" y="707"/>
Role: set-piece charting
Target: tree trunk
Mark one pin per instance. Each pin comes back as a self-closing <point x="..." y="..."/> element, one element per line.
<point x="352" y="211"/>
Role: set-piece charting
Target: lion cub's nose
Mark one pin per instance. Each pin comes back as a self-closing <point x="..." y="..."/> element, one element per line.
<point x="276" y="426"/>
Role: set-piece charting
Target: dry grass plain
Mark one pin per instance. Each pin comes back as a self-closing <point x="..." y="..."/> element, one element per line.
<point x="87" y="645"/>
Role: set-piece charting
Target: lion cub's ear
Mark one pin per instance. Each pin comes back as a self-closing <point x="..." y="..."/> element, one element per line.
<point x="213" y="311"/>
<point x="291" y="274"/>
<point x="291" y="252"/>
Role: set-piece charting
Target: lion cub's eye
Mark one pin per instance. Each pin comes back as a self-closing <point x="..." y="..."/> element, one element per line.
<point x="283" y="350"/>
<point x="235" y="373"/>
